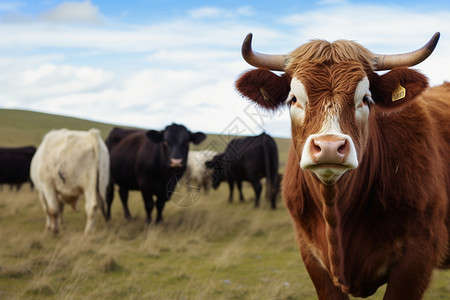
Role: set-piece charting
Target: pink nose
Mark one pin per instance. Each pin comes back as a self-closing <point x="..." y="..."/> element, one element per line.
<point x="329" y="150"/>
<point x="176" y="162"/>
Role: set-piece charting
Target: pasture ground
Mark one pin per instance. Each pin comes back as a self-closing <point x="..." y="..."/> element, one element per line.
<point x="210" y="250"/>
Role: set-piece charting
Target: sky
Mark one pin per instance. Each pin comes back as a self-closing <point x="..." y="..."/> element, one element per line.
<point x="151" y="63"/>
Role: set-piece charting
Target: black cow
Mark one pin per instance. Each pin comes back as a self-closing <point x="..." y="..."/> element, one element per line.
<point x="248" y="159"/>
<point x="15" y="165"/>
<point x="150" y="161"/>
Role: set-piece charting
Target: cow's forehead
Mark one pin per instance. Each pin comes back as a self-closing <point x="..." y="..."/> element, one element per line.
<point x="323" y="81"/>
<point x="176" y="132"/>
<point x="323" y="52"/>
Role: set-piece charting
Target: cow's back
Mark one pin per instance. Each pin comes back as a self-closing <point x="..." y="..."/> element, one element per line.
<point x="253" y="156"/>
<point x="15" y="164"/>
<point x="130" y="157"/>
<point x="67" y="160"/>
<point x="117" y="135"/>
<point x="437" y="100"/>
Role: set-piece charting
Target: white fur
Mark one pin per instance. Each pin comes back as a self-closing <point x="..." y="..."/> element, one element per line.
<point x="297" y="109"/>
<point x="66" y="165"/>
<point x="361" y="109"/>
<point x="196" y="172"/>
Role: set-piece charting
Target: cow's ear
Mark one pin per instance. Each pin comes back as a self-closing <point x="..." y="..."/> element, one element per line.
<point x="197" y="137"/>
<point x="155" y="136"/>
<point x="396" y="88"/>
<point x="265" y="88"/>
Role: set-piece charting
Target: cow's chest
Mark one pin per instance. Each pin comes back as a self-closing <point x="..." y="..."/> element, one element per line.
<point x="363" y="257"/>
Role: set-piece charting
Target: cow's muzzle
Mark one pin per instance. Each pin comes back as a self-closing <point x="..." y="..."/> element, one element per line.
<point x="329" y="156"/>
<point x="176" y="162"/>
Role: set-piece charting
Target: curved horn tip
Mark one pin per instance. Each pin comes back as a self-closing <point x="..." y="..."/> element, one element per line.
<point x="387" y="62"/>
<point x="434" y="39"/>
<point x="247" y="44"/>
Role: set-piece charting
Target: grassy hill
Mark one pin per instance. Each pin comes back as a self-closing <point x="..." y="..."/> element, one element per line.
<point x="210" y="249"/>
<point x="20" y="128"/>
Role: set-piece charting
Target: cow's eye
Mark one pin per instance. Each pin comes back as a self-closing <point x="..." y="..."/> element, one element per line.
<point x="291" y="101"/>
<point x="365" y="100"/>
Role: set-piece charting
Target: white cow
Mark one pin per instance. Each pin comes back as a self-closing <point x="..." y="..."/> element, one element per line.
<point x="66" y="165"/>
<point x="196" y="172"/>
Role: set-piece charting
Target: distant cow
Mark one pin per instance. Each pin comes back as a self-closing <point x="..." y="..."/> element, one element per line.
<point x="150" y="161"/>
<point x="66" y="165"/>
<point x="248" y="159"/>
<point x="367" y="179"/>
<point x="196" y="172"/>
<point x="15" y="165"/>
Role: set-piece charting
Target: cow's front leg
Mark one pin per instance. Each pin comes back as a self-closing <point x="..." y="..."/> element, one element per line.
<point x="231" y="185"/>
<point x="241" y="195"/>
<point x="147" y="196"/>
<point x="325" y="288"/>
<point x="410" y="276"/>
<point x="109" y="200"/>
<point x="160" y="203"/>
<point x="258" y="188"/>
<point x="123" y="192"/>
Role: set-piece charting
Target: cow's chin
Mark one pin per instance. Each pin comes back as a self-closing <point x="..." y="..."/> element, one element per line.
<point x="176" y="166"/>
<point x="328" y="174"/>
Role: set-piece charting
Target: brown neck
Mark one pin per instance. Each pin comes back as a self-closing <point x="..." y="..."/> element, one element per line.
<point x="334" y="235"/>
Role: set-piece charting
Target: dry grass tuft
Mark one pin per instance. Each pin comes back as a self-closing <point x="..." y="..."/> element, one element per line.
<point x="109" y="265"/>
<point x="16" y="272"/>
<point x="40" y="290"/>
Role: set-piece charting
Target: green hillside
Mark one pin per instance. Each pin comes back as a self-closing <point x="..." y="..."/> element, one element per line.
<point x="20" y="128"/>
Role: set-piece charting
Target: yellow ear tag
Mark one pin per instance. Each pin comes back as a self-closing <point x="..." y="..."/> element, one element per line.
<point x="399" y="93"/>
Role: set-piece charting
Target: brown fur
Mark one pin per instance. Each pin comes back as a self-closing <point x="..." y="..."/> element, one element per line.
<point x="264" y="87"/>
<point x="388" y="220"/>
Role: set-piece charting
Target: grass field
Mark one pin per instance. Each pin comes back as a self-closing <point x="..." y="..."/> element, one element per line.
<point x="207" y="250"/>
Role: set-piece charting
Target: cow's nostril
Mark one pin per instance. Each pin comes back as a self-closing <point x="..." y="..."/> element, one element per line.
<point x="343" y="148"/>
<point x="315" y="147"/>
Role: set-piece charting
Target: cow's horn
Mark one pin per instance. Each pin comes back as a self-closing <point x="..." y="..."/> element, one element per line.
<point x="260" y="60"/>
<point x="387" y="62"/>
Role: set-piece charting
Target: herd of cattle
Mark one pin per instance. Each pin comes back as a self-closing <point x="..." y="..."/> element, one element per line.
<point x="367" y="180"/>
<point x="69" y="164"/>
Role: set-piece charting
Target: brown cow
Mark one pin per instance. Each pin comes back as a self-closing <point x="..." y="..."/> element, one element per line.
<point x="367" y="179"/>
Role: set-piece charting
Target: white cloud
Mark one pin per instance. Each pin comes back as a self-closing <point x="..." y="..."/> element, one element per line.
<point x="332" y="2"/>
<point x="212" y="12"/>
<point x="369" y="24"/>
<point x="206" y="12"/>
<point x="73" y="12"/>
<point x="51" y="79"/>
<point x="246" y="10"/>
<point x="386" y="30"/>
